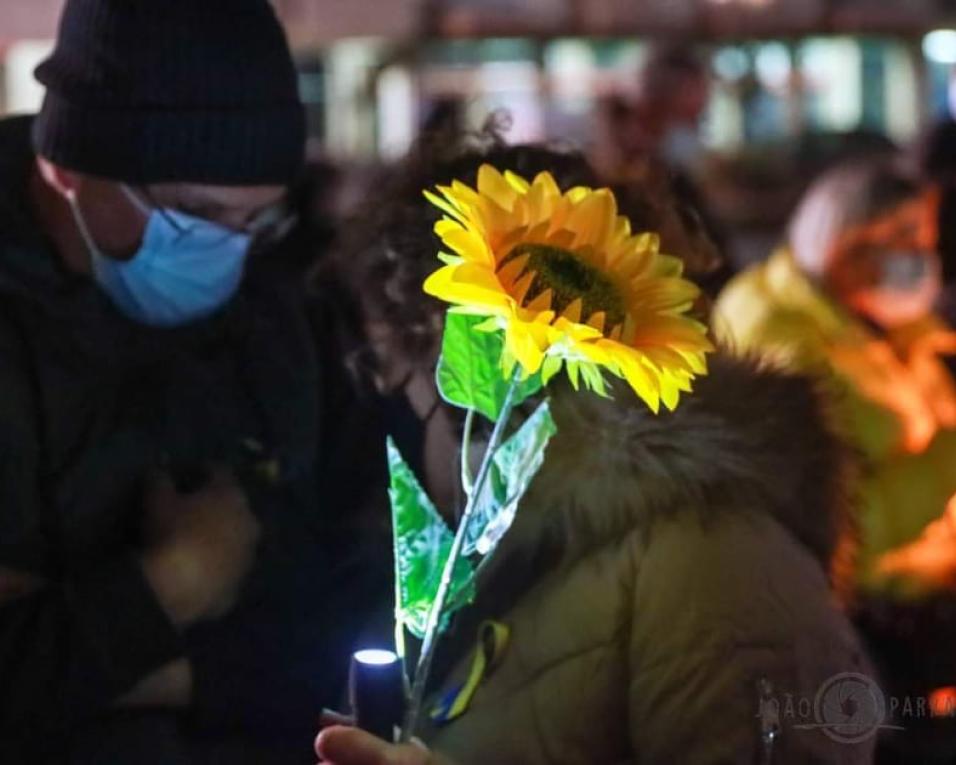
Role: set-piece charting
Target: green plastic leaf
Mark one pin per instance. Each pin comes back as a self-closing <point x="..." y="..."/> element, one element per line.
<point x="573" y="369"/>
<point x="422" y="543"/>
<point x="469" y="371"/>
<point x="552" y="365"/>
<point x="515" y="464"/>
<point x="593" y="379"/>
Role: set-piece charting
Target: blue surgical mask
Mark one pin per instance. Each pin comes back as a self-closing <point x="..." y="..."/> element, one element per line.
<point x="186" y="269"/>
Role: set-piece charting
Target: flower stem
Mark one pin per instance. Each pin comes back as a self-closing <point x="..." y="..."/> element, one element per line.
<point x="466" y="481"/>
<point x="430" y="640"/>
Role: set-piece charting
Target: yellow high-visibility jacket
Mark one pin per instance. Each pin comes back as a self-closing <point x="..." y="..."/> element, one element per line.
<point x="893" y="399"/>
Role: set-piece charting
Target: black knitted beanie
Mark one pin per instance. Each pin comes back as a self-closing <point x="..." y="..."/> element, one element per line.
<point x="151" y="91"/>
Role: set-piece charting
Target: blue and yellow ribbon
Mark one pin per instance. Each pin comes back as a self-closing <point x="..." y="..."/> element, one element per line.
<point x="493" y="638"/>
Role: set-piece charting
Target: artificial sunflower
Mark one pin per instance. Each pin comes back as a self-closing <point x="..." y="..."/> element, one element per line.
<point x="562" y="274"/>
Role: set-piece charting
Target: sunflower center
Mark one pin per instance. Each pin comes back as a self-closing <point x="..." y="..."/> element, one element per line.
<point x="569" y="278"/>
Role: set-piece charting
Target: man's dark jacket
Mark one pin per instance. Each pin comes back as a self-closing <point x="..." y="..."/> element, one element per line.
<point x="90" y="403"/>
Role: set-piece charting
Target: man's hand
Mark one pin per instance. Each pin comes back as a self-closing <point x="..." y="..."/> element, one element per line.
<point x="199" y="546"/>
<point x="341" y="745"/>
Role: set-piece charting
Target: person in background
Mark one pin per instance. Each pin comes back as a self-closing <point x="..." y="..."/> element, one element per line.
<point x="656" y="134"/>
<point x="663" y="118"/>
<point x="666" y="578"/>
<point x="163" y="576"/>
<point x="850" y="299"/>
<point x="936" y="153"/>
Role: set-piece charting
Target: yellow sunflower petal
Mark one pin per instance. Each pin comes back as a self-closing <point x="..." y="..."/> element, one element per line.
<point x="480" y="277"/>
<point x="524" y="342"/>
<point x="592" y="218"/>
<point x="629" y="261"/>
<point x="541" y="303"/>
<point x="576" y="332"/>
<point x="649" y="242"/>
<point x="668" y="265"/>
<point x="670" y="392"/>
<point x="507" y="242"/>
<point x="577" y="194"/>
<point x="561" y="239"/>
<point x="671" y="331"/>
<point x="447" y="225"/>
<point x="448" y="284"/>
<point x="697" y="362"/>
<point x="520" y="290"/>
<point x="597" y="353"/>
<point x="549" y="187"/>
<point x="662" y="294"/>
<point x="542" y="199"/>
<point x="641" y="381"/>
<point x="622" y="229"/>
<point x="619" y="276"/>
<point x="463" y="194"/>
<point x="597" y="320"/>
<point x="469" y="245"/>
<point x="509" y="273"/>
<point x="516" y="182"/>
<point x="667" y="359"/>
<point x="493" y="184"/>
<point x="538" y="233"/>
<point x="445" y="206"/>
<point x="573" y="311"/>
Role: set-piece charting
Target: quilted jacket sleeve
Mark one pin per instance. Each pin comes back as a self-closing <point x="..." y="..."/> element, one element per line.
<point x="734" y="635"/>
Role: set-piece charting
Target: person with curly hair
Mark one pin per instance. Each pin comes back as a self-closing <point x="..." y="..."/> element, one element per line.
<point x="666" y="581"/>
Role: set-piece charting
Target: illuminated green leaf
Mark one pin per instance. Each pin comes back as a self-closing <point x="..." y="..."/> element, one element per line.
<point x="422" y="543"/>
<point x="515" y="464"/>
<point x="469" y="371"/>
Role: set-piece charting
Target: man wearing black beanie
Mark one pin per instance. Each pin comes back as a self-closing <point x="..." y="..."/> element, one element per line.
<point x="159" y="545"/>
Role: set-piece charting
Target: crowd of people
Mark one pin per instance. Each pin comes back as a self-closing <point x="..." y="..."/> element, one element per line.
<point x="201" y="356"/>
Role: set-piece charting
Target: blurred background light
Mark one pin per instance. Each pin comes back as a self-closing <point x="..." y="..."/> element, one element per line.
<point x="397" y="112"/>
<point x="772" y="63"/>
<point x="833" y="71"/>
<point x="731" y="63"/>
<point x="571" y="65"/>
<point x="23" y="93"/>
<point x="940" y="46"/>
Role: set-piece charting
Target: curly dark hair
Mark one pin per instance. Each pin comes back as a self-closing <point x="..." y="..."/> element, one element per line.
<point x="387" y="250"/>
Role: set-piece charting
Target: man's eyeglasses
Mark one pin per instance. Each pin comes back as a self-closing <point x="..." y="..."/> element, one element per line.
<point x="266" y="227"/>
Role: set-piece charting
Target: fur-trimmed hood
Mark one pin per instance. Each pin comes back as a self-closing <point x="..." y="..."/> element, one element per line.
<point x="658" y="646"/>
<point x="747" y="438"/>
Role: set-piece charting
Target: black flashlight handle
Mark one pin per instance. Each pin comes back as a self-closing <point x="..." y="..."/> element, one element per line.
<point x="378" y="697"/>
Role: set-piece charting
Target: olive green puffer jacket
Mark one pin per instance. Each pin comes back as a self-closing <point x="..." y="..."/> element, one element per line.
<point x="666" y="587"/>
